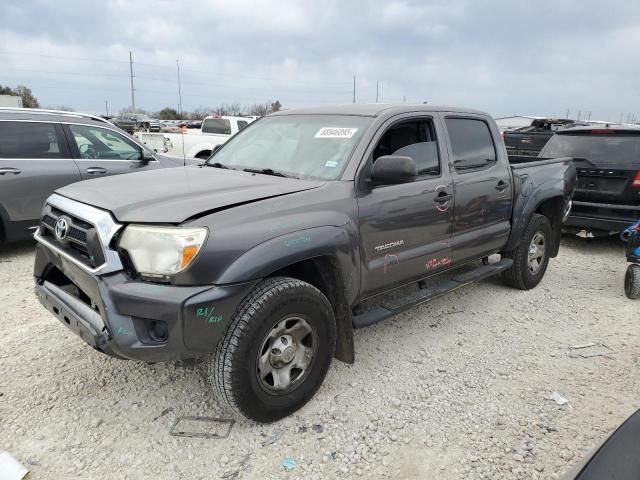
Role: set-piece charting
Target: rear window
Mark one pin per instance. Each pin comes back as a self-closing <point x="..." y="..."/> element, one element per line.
<point x="612" y="148"/>
<point x="216" y="125"/>
<point x="30" y="140"/>
<point x="471" y="144"/>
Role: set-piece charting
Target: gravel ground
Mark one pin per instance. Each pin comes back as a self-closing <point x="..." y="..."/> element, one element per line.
<point x="457" y="388"/>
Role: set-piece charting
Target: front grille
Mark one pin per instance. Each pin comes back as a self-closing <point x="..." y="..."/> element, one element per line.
<point x="80" y="242"/>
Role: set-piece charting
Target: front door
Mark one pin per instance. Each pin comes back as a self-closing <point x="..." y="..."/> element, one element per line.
<point x="34" y="161"/>
<point x="102" y="151"/>
<point x="405" y="230"/>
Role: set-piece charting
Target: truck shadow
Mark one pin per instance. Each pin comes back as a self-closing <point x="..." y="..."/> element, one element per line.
<point x="592" y="245"/>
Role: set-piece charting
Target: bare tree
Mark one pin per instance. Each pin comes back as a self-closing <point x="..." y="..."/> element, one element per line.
<point x="259" y="109"/>
<point x="234" y="108"/>
<point x="221" y="109"/>
<point x="262" y="109"/>
<point x="199" y="113"/>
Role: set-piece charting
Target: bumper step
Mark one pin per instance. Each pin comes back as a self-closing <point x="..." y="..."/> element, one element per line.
<point x="393" y="307"/>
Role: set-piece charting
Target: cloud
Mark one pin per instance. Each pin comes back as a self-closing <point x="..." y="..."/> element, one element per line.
<point x="500" y="56"/>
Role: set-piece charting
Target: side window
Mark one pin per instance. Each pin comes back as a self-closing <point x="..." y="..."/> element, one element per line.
<point x="103" y="144"/>
<point x="217" y="125"/>
<point x="242" y="124"/>
<point x="415" y="139"/>
<point x="471" y="144"/>
<point x="31" y="140"/>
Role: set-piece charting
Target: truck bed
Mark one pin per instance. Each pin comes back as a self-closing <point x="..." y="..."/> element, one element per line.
<point x="521" y="161"/>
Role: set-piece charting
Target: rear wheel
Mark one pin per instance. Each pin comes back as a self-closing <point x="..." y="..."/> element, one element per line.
<point x="276" y="352"/>
<point x="531" y="256"/>
<point x="632" y="281"/>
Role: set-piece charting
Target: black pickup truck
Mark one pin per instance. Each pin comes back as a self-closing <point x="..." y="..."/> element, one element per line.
<point x="303" y="227"/>
<point x="530" y="140"/>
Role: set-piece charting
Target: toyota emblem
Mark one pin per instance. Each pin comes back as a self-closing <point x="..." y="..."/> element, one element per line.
<point x="61" y="228"/>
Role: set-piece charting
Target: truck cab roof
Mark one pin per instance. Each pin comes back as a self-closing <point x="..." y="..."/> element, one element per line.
<point x="373" y="109"/>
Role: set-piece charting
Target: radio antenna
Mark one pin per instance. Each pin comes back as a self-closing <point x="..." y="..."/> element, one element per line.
<point x="184" y="157"/>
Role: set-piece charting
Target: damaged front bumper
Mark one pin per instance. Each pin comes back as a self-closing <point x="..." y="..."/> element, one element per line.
<point x="134" y="319"/>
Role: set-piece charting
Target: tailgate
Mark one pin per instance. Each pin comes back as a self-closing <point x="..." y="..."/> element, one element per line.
<point x="607" y="185"/>
<point x="607" y="161"/>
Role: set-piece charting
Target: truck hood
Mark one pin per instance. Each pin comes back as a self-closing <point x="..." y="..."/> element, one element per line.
<point x="174" y="195"/>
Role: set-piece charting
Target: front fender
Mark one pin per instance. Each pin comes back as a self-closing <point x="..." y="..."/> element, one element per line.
<point x="283" y="251"/>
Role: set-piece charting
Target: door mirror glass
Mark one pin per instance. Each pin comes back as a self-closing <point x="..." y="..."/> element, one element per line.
<point x="147" y="157"/>
<point x="393" y="169"/>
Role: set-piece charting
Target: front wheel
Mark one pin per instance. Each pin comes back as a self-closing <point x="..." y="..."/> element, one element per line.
<point x="276" y="352"/>
<point x="632" y="281"/>
<point x="531" y="256"/>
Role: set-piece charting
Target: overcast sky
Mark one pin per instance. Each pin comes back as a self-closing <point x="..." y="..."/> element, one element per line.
<point x="513" y="57"/>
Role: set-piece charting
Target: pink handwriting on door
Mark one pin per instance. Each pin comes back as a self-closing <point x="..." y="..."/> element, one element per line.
<point x="434" y="263"/>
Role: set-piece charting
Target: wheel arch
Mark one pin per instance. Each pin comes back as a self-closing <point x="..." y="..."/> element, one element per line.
<point x="544" y="202"/>
<point x="326" y="260"/>
<point x="324" y="273"/>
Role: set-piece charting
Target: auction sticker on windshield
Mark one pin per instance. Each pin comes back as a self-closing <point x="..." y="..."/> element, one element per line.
<point x="336" y="132"/>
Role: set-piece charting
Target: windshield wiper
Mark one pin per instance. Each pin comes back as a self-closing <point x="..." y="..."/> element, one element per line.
<point x="218" y="165"/>
<point x="267" y="171"/>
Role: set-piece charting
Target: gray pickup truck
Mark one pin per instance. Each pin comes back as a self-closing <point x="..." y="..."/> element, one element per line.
<point x="304" y="226"/>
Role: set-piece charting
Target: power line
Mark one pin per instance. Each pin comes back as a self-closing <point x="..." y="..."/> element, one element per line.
<point x="155" y="65"/>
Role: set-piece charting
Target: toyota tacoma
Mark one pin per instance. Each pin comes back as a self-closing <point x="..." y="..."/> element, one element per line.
<point x="304" y="226"/>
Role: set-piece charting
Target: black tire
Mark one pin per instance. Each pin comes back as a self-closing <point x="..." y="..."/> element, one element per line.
<point x="632" y="281"/>
<point x="522" y="274"/>
<point x="233" y="369"/>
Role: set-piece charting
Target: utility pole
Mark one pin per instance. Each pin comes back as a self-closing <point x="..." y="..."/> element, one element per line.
<point x="133" y="98"/>
<point x="579" y="113"/>
<point x="568" y="112"/>
<point x="106" y="107"/>
<point x="589" y="118"/>
<point x="354" y="89"/>
<point x="404" y="99"/>
<point x="376" y="91"/>
<point x="179" y="90"/>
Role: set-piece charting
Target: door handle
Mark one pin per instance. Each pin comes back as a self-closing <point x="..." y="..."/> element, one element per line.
<point x="92" y="170"/>
<point x="443" y="197"/>
<point x="12" y="170"/>
<point x="502" y="185"/>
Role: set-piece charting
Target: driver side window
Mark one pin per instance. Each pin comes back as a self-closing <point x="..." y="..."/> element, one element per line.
<point x="102" y="144"/>
<point x="412" y="138"/>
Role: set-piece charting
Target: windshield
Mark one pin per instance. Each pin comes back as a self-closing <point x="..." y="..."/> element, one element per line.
<point x="303" y="146"/>
<point x="614" y="148"/>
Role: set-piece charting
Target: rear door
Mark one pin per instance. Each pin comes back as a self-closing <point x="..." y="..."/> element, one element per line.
<point x="101" y="151"/>
<point x="483" y="190"/>
<point x="34" y="161"/>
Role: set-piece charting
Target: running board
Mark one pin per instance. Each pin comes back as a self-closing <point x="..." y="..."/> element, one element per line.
<point x="393" y="307"/>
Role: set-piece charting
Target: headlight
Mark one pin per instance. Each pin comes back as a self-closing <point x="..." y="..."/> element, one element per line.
<point x="162" y="251"/>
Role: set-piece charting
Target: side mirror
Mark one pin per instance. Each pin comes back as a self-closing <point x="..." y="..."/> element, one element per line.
<point x="394" y="169"/>
<point x="147" y="157"/>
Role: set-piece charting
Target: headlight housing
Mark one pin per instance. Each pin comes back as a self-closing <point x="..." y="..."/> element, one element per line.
<point x="159" y="251"/>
